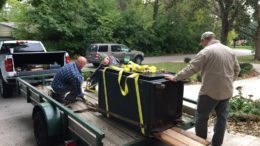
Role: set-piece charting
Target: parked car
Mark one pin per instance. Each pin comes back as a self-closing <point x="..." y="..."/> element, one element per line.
<point x="119" y="51"/>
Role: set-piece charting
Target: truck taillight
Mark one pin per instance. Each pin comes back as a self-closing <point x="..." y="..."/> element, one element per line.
<point x="67" y="58"/>
<point x="21" y="42"/>
<point x="9" y="65"/>
<point x="70" y="143"/>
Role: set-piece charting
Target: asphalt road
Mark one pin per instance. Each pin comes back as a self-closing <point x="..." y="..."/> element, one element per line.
<point x="180" y="58"/>
<point x="16" y="127"/>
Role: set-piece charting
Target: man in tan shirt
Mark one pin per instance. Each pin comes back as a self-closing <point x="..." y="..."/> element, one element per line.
<point x="219" y="68"/>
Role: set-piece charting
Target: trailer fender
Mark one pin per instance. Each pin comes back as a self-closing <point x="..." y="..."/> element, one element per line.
<point x="52" y="117"/>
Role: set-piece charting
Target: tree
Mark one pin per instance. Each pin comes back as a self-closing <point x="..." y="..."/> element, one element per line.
<point x="15" y="12"/>
<point x="250" y="24"/>
<point x="255" y="5"/>
<point x="257" y="34"/>
<point x="174" y="26"/>
<point x="228" y="11"/>
<point x="122" y="5"/>
<point x="155" y="8"/>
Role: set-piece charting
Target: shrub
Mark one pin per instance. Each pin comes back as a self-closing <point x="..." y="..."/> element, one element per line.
<point x="198" y="77"/>
<point x="241" y="106"/>
<point x="245" y="68"/>
<point x="187" y="59"/>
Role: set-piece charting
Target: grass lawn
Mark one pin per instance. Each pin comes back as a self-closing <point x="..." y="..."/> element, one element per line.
<point x="243" y="47"/>
<point x="170" y="66"/>
<point x="174" y="67"/>
<point x="247" y="59"/>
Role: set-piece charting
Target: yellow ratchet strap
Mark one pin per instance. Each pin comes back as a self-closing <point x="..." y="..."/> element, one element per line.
<point x="105" y="90"/>
<point x="131" y="66"/>
<point x="136" y="77"/>
<point x="125" y="91"/>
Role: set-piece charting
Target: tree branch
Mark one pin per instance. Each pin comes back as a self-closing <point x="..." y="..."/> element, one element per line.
<point x="246" y="33"/>
<point x="218" y="13"/>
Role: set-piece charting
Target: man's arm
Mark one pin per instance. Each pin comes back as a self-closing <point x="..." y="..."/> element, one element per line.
<point x="195" y="66"/>
<point x="77" y="85"/>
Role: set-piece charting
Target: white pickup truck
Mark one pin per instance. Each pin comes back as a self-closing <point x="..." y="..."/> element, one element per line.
<point x="26" y="58"/>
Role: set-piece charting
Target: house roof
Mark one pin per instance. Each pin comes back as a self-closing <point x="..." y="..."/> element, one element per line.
<point x="8" y="24"/>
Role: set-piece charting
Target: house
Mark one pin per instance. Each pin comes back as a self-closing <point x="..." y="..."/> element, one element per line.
<point x="6" y="30"/>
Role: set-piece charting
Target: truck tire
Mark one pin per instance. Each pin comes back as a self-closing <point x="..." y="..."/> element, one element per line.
<point x="5" y="89"/>
<point x="41" y="131"/>
<point x="138" y="59"/>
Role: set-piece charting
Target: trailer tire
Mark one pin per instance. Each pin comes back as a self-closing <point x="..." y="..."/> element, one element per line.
<point x="41" y="130"/>
<point x="5" y="89"/>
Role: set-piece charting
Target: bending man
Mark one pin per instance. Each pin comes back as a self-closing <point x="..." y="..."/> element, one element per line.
<point x="67" y="82"/>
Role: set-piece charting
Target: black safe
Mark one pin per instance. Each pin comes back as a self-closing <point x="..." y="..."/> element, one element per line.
<point x="161" y="101"/>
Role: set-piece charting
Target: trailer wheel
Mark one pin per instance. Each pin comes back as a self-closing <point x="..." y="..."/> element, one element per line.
<point x="5" y="89"/>
<point x="41" y="130"/>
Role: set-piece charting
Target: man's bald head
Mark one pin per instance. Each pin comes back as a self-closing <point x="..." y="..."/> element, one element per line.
<point x="81" y="62"/>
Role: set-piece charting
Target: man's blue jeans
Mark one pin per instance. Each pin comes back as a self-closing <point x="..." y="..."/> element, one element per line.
<point x="205" y="105"/>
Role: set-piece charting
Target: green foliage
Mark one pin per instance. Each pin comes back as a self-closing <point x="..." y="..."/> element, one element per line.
<point x="187" y="59"/>
<point x="15" y="11"/>
<point x="240" y="105"/>
<point x="74" y="25"/>
<point x="232" y="35"/>
<point x="198" y="77"/>
<point x="175" y="68"/>
<point x="245" y="68"/>
<point x="86" y="74"/>
<point x="247" y="59"/>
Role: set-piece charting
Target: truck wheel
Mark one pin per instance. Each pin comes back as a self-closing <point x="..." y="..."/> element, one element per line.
<point x="41" y="131"/>
<point x="138" y="59"/>
<point x="5" y="89"/>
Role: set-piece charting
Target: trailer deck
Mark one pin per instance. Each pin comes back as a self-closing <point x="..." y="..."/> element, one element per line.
<point x="88" y="125"/>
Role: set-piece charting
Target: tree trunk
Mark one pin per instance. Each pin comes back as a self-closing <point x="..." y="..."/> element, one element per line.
<point x="257" y="44"/>
<point x="224" y="29"/>
<point x="122" y="5"/>
<point x="257" y="37"/>
<point x="155" y="9"/>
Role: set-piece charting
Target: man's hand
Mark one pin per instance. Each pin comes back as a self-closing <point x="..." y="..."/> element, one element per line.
<point x="170" y="77"/>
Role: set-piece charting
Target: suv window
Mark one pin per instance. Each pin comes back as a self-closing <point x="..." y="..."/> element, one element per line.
<point x="116" y="48"/>
<point x="22" y="47"/>
<point x="103" y="48"/>
<point x="125" y="49"/>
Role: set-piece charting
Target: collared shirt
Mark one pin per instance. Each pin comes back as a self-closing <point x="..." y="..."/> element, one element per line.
<point x="219" y="68"/>
<point x="68" y="79"/>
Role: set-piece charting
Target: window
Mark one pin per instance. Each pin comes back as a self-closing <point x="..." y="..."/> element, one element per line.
<point x="125" y="49"/>
<point x="103" y="48"/>
<point x="23" y="47"/>
<point x="92" y="48"/>
<point x="116" y="48"/>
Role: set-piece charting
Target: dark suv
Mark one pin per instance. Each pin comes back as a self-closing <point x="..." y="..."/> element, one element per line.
<point x="119" y="51"/>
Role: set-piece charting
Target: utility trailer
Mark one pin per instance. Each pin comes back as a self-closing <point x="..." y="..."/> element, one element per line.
<point x="77" y="124"/>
